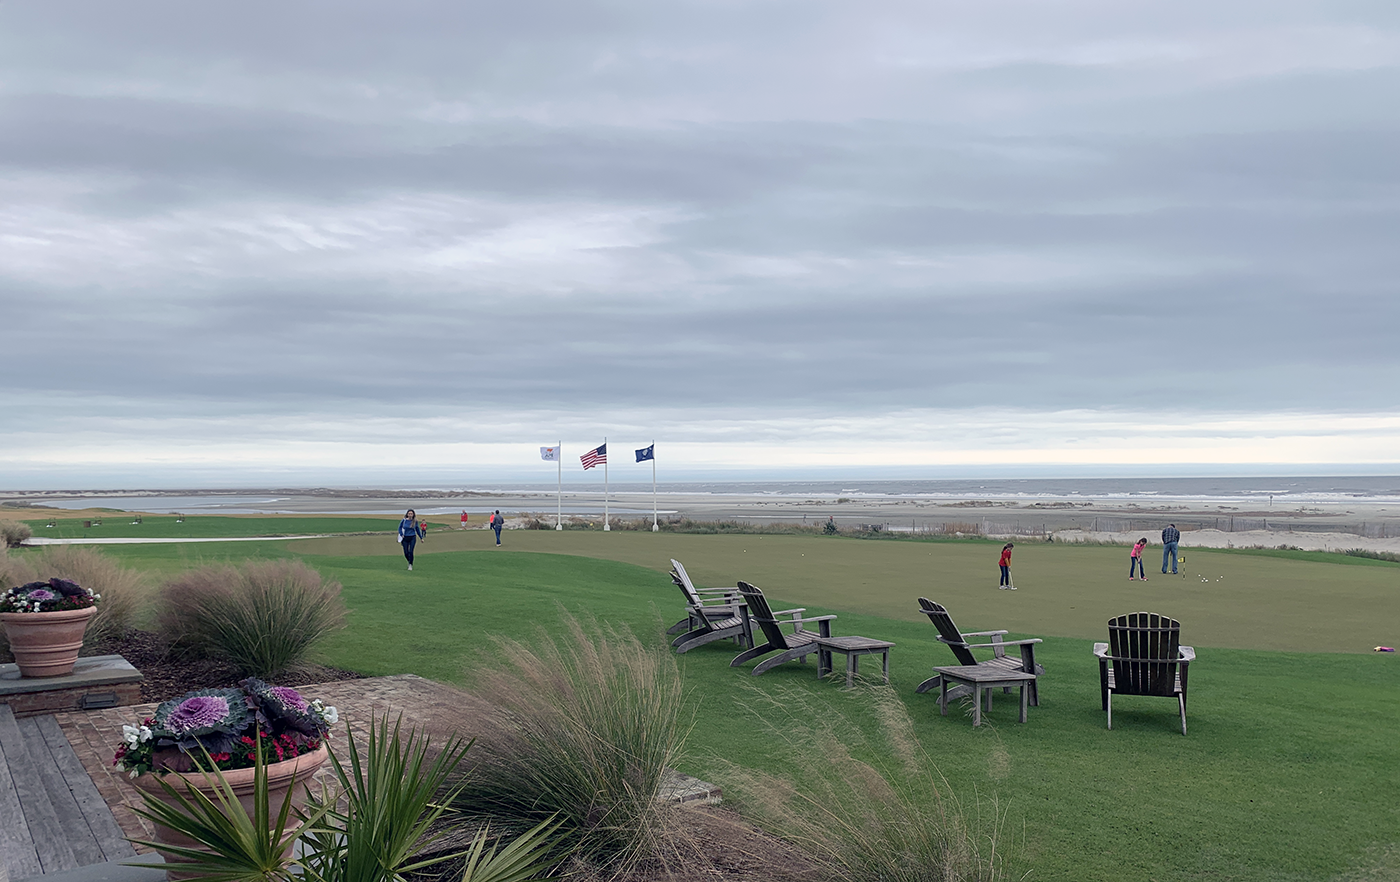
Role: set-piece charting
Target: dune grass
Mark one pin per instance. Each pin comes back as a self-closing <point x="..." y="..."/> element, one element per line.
<point x="1287" y="774"/>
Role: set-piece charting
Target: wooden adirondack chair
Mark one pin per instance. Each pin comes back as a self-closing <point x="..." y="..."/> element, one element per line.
<point x="719" y="603"/>
<point x="788" y="646"/>
<point x="962" y="650"/>
<point x="717" y="618"/>
<point x="1143" y="656"/>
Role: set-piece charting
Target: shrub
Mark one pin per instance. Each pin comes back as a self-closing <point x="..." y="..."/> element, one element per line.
<point x="581" y="729"/>
<point x="264" y="618"/>
<point x="893" y="818"/>
<point x="123" y="591"/>
<point x="14" y="533"/>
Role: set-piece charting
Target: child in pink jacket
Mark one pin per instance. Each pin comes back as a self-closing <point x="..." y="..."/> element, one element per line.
<point x="1135" y="562"/>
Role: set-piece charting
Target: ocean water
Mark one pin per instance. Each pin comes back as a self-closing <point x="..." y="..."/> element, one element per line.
<point x="1291" y="491"/>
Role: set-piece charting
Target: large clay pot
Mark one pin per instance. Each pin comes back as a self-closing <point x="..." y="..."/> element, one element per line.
<point x="46" y="644"/>
<point x="285" y="780"/>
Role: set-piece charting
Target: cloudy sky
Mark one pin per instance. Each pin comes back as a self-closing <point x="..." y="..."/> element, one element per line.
<point x="411" y="242"/>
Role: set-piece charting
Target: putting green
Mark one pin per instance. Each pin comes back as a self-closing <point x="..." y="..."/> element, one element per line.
<point x="1250" y="601"/>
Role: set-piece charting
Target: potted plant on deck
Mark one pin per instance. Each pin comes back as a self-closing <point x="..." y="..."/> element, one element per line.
<point x="44" y="622"/>
<point x="210" y="740"/>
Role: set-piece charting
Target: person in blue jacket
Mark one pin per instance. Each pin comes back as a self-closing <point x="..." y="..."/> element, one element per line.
<point x="410" y="531"/>
<point x="497" y="522"/>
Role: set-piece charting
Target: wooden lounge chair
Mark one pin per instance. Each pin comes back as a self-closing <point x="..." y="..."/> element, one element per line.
<point x="962" y="650"/>
<point x="1143" y="656"/>
<point x="717" y="618"/>
<point x="719" y="603"/>
<point x="788" y="646"/>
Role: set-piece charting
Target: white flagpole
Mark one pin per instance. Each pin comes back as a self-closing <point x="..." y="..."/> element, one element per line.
<point x="654" y="527"/>
<point x="559" y="462"/>
<point x="606" y="526"/>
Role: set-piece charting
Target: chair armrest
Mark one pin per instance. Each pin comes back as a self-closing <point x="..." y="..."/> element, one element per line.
<point x="789" y="612"/>
<point x="816" y="619"/>
<point x="717" y="590"/>
<point x="1004" y="643"/>
<point x="983" y="633"/>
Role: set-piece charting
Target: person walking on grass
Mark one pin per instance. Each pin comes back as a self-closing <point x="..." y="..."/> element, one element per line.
<point x="1005" y="565"/>
<point x="1135" y="561"/>
<point x="497" y="522"/>
<point x="410" y="531"/>
<point x="1170" y="537"/>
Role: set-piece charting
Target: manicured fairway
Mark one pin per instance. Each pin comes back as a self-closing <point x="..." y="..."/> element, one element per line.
<point x="121" y="525"/>
<point x="1288" y="772"/>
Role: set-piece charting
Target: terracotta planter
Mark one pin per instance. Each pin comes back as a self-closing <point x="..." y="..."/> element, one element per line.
<point x="46" y="644"/>
<point x="285" y="780"/>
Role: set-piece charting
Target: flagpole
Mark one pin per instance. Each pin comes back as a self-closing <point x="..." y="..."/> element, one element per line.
<point x="559" y="461"/>
<point x="606" y="526"/>
<point x="654" y="527"/>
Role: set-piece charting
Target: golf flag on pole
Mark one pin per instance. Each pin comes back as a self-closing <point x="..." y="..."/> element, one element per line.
<point x="549" y="454"/>
<point x="596" y="456"/>
<point x="646" y="453"/>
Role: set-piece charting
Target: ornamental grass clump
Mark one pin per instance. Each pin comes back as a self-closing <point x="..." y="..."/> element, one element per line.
<point x="14" y="533"/>
<point x="265" y="618"/>
<point x="581" y="728"/>
<point x="221" y="728"/>
<point x="890" y="816"/>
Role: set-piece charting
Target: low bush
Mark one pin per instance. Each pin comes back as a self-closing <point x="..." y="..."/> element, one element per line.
<point x="893" y="817"/>
<point x="1373" y="555"/>
<point x="14" y="533"/>
<point x="124" y="592"/>
<point x="583" y="729"/>
<point x="265" y="618"/>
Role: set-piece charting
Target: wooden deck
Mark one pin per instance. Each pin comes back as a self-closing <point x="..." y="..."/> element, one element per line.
<point x="51" y="816"/>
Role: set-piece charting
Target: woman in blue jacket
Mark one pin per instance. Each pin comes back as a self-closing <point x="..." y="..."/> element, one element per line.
<point x="410" y="531"/>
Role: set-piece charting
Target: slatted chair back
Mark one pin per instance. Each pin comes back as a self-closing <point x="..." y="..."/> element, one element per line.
<point x="761" y="612"/>
<point x="1146" y="649"/>
<point x="682" y="580"/>
<point x="947" y="631"/>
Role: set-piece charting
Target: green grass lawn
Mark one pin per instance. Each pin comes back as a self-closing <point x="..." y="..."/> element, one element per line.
<point x="121" y="525"/>
<point x="1288" y="773"/>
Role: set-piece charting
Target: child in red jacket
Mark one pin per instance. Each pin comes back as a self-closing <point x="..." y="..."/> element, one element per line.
<point x="1006" y="566"/>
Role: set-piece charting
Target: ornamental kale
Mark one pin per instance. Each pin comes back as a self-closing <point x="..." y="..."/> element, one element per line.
<point x="224" y="724"/>
<point x="54" y="595"/>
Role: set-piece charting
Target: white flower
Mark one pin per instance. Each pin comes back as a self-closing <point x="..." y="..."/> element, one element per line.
<point x="330" y="715"/>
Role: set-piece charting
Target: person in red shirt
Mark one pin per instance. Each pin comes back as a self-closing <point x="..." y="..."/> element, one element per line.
<point x="1006" y="566"/>
<point x="464" y="519"/>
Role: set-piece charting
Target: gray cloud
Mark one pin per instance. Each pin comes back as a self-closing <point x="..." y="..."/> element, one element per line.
<point x="800" y="210"/>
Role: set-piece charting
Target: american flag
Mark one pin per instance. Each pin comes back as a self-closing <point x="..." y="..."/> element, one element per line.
<point x="596" y="456"/>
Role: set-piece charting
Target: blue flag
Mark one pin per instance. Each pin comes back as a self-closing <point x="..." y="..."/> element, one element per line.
<point x="646" y="453"/>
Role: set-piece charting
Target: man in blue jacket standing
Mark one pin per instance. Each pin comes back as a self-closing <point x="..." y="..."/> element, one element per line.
<point x="1170" y="537"/>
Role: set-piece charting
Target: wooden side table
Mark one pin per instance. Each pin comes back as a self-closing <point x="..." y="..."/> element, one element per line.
<point x="984" y="679"/>
<point x="853" y="648"/>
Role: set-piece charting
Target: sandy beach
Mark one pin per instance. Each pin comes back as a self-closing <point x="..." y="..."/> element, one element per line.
<point x="1326" y="524"/>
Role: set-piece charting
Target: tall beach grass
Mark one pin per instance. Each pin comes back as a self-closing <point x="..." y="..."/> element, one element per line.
<point x="581" y="727"/>
<point x="264" y="617"/>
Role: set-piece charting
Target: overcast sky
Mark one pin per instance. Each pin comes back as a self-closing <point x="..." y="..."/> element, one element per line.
<point x="411" y="242"/>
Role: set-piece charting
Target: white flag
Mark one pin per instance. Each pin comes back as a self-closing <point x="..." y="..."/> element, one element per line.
<point x="549" y="454"/>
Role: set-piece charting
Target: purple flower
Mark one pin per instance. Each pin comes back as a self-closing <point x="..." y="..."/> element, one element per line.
<point x="197" y="713"/>
<point x="41" y="595"/>
<point x="289" y="697"/>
